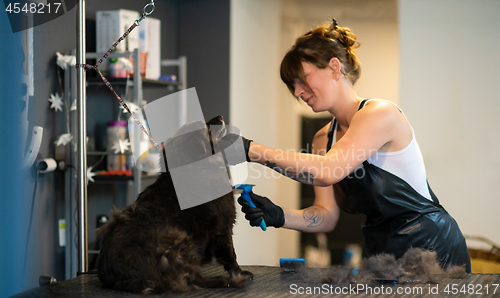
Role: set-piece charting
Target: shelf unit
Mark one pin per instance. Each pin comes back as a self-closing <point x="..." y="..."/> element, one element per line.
<point x="138" y="84"/>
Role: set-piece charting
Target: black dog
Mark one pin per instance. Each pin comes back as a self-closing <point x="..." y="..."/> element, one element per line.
<point x="152" y="246"/>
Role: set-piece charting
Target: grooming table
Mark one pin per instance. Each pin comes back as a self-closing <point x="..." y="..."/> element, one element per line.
<point x="271" y="282"/>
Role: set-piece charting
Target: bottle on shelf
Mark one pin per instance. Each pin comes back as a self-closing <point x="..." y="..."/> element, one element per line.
<point x="117" y="131"/>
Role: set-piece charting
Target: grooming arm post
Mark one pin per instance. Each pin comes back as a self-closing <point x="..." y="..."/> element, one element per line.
<point x="82" y="141"/>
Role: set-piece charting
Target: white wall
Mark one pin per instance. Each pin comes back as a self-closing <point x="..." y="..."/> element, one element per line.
<point x="254" y="109"/>
<point x="449" y="90"/>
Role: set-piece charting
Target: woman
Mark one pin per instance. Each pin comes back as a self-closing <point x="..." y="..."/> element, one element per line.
<point x="365" y="161"/>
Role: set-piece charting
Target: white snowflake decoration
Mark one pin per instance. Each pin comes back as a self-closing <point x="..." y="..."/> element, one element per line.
<point x="90" y="174"/>
<point x="73" y="106"/>
<point x="64" y="139"/>
<point x="127" y="64"/>
<point x="64" y="60"/>
<point x="56" y="101"/>
<point x="132" y="106"/>
<point x="121" y="146"/>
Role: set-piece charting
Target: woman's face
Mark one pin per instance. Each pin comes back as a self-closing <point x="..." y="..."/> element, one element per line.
<point x="319" y="97"/>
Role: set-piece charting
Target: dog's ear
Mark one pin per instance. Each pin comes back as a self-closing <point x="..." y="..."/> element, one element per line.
<point x="217" y="120"/>
<point x="217" y="128"/>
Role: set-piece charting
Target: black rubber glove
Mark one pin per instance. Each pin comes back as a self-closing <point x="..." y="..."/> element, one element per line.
<point x="272" y="214"/>
<point x="228" y="140"/>
<point x="246" y="144"/>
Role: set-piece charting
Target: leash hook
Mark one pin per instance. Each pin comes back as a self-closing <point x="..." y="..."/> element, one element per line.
<point x="146" y="13"/>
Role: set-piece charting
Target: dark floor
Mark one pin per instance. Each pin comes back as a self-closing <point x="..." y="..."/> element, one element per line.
<point x="271" y="282"/>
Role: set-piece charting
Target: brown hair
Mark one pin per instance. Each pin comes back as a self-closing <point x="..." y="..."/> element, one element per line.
<point x="318" y="47"/>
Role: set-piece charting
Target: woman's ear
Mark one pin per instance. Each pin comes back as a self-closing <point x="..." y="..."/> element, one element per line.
<point x="334" y="63"/>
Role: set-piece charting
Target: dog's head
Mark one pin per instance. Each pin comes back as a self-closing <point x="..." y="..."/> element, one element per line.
<point x="194" y="141"/>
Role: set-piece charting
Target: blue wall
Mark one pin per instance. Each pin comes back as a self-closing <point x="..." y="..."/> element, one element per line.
<point x="197" y="29"/>
<point x="13" y="211"/>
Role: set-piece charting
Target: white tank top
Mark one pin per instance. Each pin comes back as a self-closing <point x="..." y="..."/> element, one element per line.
<point x="407" y="164"/>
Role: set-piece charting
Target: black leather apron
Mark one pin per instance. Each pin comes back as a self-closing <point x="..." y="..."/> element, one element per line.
<point x="397" y="216"/>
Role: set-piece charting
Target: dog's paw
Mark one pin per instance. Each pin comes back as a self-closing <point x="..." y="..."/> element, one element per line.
<point x="240" y="279"/>
<point x="247" y="274"/>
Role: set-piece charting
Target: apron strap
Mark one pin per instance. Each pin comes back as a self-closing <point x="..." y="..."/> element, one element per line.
<point x="334" y="124"/>
<point x="330" y="135"/>
<point x="362" y="103"/>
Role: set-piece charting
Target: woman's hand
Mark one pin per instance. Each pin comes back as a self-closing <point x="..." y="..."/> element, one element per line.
<point x="272" y="214"/>
<point x="236" y="156"/>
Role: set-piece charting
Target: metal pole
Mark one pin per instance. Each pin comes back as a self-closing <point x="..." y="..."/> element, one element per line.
<point x="82" y="141"/>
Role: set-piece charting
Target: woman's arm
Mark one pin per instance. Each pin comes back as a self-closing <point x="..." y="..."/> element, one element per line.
<point x="370" y="129"/>
<point x="323" y="215"/>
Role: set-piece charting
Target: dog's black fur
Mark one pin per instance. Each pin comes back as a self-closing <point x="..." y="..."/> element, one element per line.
<point x="152" y="246"/>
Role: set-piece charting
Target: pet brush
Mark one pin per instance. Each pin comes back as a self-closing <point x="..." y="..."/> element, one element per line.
<point x="291" y="264"/>
<point x="245" y="194"/>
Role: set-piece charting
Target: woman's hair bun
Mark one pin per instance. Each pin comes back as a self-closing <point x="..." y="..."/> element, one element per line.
<point x="318" y="46"/>
<point x="347" y="38"/>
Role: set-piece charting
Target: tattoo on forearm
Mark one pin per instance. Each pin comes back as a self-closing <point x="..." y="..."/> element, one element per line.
<point x="313" y="216"/>
<point x="302" y="177"/>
